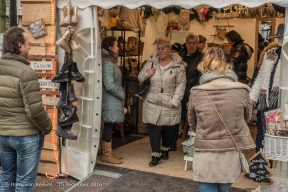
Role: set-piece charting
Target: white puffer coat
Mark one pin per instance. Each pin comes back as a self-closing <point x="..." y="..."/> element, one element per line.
<point x="162" y="103"/>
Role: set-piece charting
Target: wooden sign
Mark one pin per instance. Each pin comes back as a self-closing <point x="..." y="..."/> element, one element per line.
<point x="259" y="169"/>
<point x="46" y="74"/>
<point x="48" y="84"/>
<point x="42" y="56"/>
<point x="42" y="65"/>
<point x="260" y="13"/>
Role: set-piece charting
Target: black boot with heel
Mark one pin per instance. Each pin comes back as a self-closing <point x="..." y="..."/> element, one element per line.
<point x="155" y="159"/>
<point x="164" y="151"/>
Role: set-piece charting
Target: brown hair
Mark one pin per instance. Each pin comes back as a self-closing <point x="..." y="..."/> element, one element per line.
<point x="108" y="42"/>
<point x="202" y="39"/>
<point x="12" y="37"/>
<point x="215" y="60"/>
<point x="233" y="36"/>
<point x="164" y="41"/>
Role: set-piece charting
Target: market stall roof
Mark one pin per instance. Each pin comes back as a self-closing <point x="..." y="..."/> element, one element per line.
<point x="165" y="3"/>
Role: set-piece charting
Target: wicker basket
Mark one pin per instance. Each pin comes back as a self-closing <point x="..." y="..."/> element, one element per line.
<point x="276" y="147"/>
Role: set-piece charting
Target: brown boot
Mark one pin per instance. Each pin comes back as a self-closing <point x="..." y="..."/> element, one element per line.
<point x="107" y="154"/>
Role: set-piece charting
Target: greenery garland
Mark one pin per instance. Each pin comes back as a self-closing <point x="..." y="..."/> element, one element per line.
<point x="209" y="15"/>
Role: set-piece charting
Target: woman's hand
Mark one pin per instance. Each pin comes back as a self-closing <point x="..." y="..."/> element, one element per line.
<point x="151" y="72"/>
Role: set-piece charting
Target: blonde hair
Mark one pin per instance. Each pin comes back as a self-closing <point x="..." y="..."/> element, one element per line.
<point x="164" y="41"/>
<point x="215" y="60"/>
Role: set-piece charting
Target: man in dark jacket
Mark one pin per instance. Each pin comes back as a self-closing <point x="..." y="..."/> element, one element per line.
<point x="240" y="54"/>
<point x="23" y="119"/>
<point x="192" y="55"/>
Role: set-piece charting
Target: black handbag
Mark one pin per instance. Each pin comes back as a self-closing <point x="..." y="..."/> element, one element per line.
<point x="143" y="88"/>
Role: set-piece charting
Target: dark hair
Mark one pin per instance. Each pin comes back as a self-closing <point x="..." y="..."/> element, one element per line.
<point x="260" y="37"/>
<point x="202" y="39"/>
<point x="12" y="37"/>
<point x="233" y="36"/>
<point x="108" y="42"/>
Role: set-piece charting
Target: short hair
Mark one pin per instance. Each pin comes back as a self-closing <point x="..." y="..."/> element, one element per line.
<point x="11" y="39"/>
<point x="165" y="41"/>
<point x="215" y="60"/>
<point x="202" y="39"/>
<point x="233" y="36"/>
<point x="192" y="36"/>
<point x="108" y="42"/>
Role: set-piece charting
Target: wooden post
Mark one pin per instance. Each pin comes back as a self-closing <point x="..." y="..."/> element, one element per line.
<point x="2" y="16"/>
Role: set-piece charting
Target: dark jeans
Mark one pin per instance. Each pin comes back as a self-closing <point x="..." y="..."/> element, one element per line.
<point x="173" y="143"/>
<point x="107" y="132"/>
<point x="260" y="132"/>
<point x="155" y="134"/>
<point x="214" y="187"/>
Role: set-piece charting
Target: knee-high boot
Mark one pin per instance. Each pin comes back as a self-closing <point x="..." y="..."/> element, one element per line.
<point x="107" y="154"/>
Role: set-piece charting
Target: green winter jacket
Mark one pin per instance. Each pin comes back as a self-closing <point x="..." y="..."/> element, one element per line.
<point x="21" y="109"/>
<point x="113" y="95"/>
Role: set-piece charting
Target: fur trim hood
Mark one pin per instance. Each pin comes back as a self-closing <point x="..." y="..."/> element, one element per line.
<point x="108" y="56"/>
<point x="175" y="57"/>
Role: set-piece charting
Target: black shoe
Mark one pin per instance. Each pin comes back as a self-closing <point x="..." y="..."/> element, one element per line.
<point x="65" y="132"/>
<point x="173" y="148"/>
<point x="63" y="76"/>
<point x="71" y="97"/>
<point x="155" y="161"/>
<point x="70" y="115"/>
<point x="74" y="72"/>
<point x="164" y="155"/>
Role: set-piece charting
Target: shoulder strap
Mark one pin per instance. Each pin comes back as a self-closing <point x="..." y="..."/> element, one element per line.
<point x="222" y="121"/>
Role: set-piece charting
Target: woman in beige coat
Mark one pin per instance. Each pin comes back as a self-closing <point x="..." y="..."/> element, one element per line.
<point x="216" y="162"/>
<point x="162" y="104"/>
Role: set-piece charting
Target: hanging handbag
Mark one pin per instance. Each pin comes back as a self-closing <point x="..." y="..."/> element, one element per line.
<point x="245" y="165"/>
<point x="143" y="88"/>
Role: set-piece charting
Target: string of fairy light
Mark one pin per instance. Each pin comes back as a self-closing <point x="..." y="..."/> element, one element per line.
<point x="55" y="115"/>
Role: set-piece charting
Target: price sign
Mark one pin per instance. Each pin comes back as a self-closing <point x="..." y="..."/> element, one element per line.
<point x="42" y="65"/>
<point x="48" y="84"/>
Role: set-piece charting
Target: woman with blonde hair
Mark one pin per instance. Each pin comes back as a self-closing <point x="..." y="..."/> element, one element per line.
<point x="214" y="149"/>
<point x="162" y="104"/>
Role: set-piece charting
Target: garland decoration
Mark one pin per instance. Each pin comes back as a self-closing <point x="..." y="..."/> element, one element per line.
<point x="204" y="14"/>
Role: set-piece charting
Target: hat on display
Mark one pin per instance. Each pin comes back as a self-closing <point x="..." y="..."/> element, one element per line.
<point x="279" y="33"/>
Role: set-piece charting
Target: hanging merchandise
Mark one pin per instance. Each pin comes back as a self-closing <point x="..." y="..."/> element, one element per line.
<point x="37" y="28"/>
<point x="114" y="17"/>
<point x="161" y="23"/>
<point x="130" y="19"/>
<point x="259" y="169"/>
<point x="69" y="16"/>
<point x="184" y="19"/>
<point x="221" y="33"/>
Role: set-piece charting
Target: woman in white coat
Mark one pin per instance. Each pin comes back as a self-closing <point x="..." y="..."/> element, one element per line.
<point x="162" y="104"/>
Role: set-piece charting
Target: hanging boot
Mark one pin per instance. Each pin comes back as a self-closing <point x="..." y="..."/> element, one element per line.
<point x="164" y="151"/>
<point x="155" y="159"/>
<point x="65" y="132"/>
<point x="63" y="76"/>
<point x="70" y="115"/>
<point x="74" y="45"/>
<point x="71" y="98"/>
<point x="67" y="16"/>
<point x="74" y="73"/>
<point x="74" y="18"/>
<point x="62" y="42"/>
<point x="107" y="154"/>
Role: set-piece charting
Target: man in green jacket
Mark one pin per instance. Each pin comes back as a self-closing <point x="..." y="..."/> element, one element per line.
<point x="23" y="119"/>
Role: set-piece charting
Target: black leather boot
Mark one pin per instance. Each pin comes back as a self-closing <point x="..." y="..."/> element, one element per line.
<point x="155" y="159"/>
<point x="74" y="72"/>
<point x="72" y="97"/>
<point x="164" y="151"/>
<point x="70" y="115"/>
<point x="63" y="76"/>
<point x="65" y="131"/>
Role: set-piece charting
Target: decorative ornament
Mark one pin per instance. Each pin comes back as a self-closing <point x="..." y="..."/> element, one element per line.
<point x="184" y="19"/>
<point x="259" y="169"/>
<point x="221" y="33"/>
<point x="204" y="14"/>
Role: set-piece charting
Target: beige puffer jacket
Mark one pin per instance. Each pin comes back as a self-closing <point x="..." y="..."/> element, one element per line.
<point x="162" y="103"/>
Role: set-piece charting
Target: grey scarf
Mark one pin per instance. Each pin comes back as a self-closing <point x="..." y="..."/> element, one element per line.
<point x="209" y="76"/>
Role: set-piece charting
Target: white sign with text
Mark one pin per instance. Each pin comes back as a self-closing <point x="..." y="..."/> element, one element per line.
<point x="48" y="84"/>
<point x="42" y="65"/>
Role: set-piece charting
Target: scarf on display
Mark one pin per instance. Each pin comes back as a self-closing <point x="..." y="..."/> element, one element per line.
<point x="209" y="76"/>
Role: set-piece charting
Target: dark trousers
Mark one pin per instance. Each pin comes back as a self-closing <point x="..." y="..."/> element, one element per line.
<point x="173" y="143"/>
<point x="107" y="132"/>
<point x="155" y="134"/>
